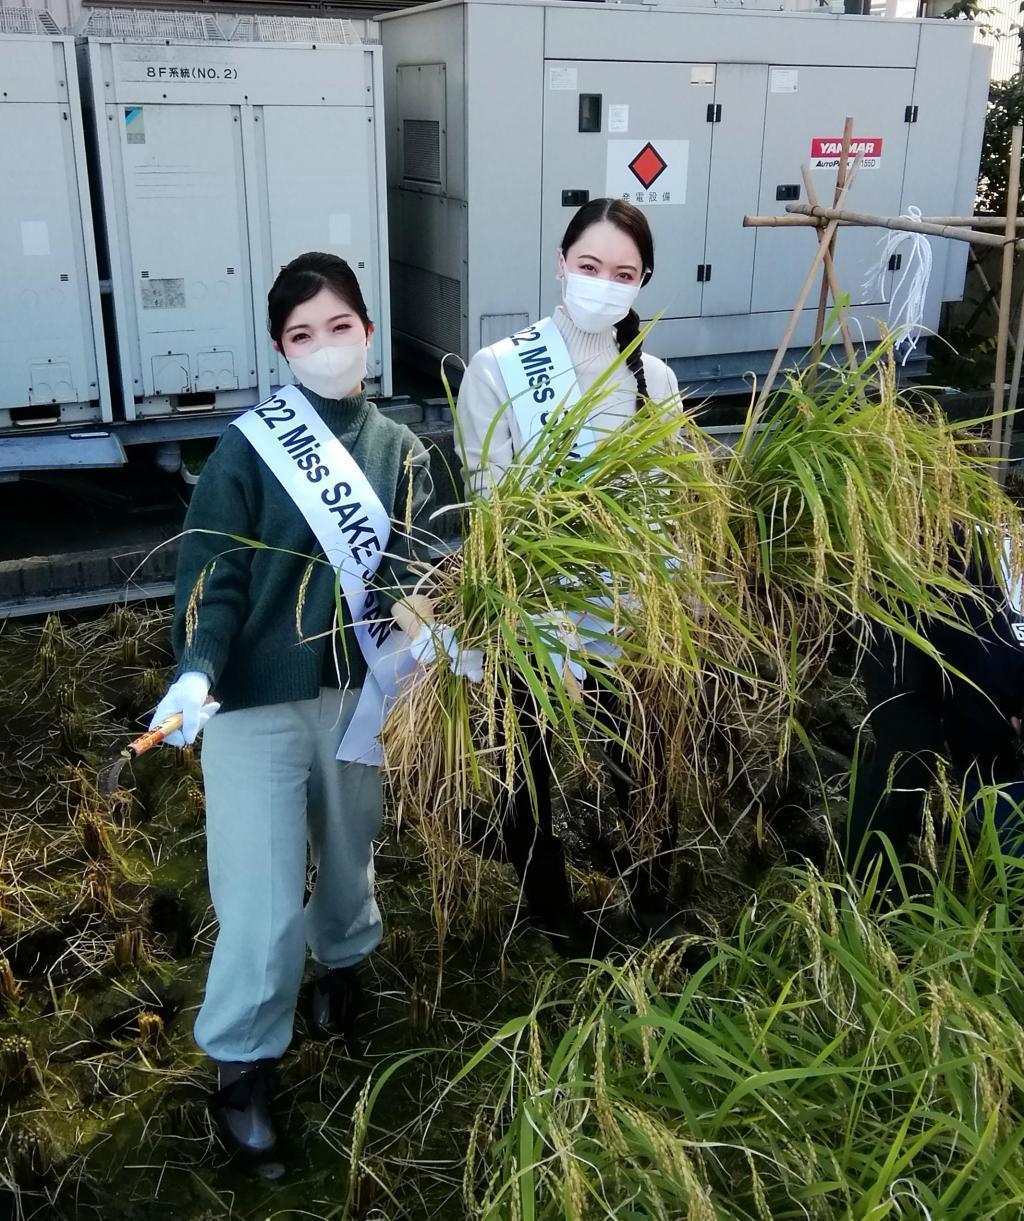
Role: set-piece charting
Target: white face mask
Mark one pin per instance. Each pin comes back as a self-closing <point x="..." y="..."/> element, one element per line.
<point x="332" y="371"/>
<point x="594" y="303"/>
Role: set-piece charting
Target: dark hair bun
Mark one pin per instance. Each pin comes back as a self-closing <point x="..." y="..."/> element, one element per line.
<point x="301" y="280"/>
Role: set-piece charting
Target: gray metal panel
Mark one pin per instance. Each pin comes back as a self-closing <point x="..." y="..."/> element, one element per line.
<point x="504" y="48"/>
<point x="380" y="245"/>
<point x="965" y="195"/>
<point x="319" y="203"/>
<point x="934" y="146"/>
<point x="817" y="109"/>
<point x="428" y="270"/>
<point x="82" y="450"/>
<point x="735" y="180"/>
<point x="583" y="31"/>
<point x="845" y="65"/>
<point x="190" y="281"/>
<point x="666" y="111"/>
<point x="428" y="36"/>
<point x="715" y="339"/>
<point x="231" y="73"/>
<point x="428" y="230"/>
<point x="422" y="127"/>
<point x="51" y="335"/>
<point x="211" y="184"/>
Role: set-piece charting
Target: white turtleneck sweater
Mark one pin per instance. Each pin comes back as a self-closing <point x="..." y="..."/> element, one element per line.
<point x="482" y="396"/>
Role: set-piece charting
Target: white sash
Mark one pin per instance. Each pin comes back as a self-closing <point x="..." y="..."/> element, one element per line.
<point x="539" y="376"/>
<point x="353" y="528"/>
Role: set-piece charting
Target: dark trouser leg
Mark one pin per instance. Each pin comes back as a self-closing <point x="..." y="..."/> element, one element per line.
<point x="648" y="878"/>
<point x="533" y="848"/>
<point x="983" y="747"/>
<point x="904" y="693"/>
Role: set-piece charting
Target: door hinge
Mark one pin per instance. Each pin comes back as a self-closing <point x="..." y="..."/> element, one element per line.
<point x="703" y="273"/>
<point x="910" y="114"/>
<point x="895" y="262"/>
<point x="714" y="112"/>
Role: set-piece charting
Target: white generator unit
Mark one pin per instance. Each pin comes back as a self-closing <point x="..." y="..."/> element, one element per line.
<point x="504" y="117"/>
<point x="52" y="361"/>
<point x="224" y="148"/>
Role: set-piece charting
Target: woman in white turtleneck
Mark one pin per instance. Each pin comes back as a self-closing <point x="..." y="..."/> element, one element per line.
<point x="607" y="255"/>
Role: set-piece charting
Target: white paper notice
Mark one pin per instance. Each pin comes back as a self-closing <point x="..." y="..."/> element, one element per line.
<point x="702" y="74"/>
<point x="560" y="77"/>
<point x="35" y="238"/>
<point x="784" y="80"/>
<point x="339" y="229"/>
<point x="618" y="117"/>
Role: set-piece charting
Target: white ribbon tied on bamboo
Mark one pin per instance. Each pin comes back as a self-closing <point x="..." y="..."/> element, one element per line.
<point x="906" y="310"/>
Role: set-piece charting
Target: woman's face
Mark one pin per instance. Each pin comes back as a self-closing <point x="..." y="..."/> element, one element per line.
<point x="321" y="322"/>
<point x="606" y="252"/>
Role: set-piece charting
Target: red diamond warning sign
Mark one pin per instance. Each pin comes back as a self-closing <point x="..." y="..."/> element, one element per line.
<point x="648" y="166"/>
<point x="647" y="171"/>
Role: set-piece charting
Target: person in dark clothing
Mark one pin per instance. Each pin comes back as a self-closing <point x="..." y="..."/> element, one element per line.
<point x="538" y="855"/>
<point x="921" y="712"/>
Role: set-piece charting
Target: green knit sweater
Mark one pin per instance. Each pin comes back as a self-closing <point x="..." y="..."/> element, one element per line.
<point x="237" y="613"/>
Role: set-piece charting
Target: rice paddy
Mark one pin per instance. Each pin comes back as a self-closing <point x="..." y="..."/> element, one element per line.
<point x="812" y="1048"/>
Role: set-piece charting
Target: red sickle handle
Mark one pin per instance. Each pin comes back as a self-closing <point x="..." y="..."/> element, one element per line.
<point x="154" y="737"/>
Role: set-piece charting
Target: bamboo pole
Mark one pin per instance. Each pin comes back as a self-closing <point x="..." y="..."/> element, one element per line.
<point x="819" y="322"/>
<point x="903" y="223"/>
<point x="795" y="221"/>
<point x="794" y="317"/>
<point x="787" y="222"/>
<point x="1018" y="356"/>
<point x="829" y="280"/>
<point x="1006" y="297"/>
<point x="979" y="222"/>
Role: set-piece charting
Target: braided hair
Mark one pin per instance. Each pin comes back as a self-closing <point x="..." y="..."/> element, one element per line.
<point x="630" y="220"/>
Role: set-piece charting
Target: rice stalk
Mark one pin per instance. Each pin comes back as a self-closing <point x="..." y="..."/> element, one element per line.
<point x="700" y="593"/>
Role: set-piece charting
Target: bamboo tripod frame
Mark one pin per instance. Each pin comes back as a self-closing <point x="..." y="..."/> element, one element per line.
<point x="828" y="220"/>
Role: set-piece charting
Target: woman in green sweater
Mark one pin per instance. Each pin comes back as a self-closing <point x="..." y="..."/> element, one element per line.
<point x="313" y="472"/>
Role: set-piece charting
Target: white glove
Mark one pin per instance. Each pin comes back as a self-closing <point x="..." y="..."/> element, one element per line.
<point x="437" y="639"/>
<point x="187" y="695"/>
<point x="569" y="637"/>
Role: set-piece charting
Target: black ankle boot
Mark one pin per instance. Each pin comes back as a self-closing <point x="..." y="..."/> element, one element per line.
<point x="553" y="909"/>
<point x="575" y="933"/>
<point x="335" y="1002"/>
<point x="242" y="1110"/>
<point x="661" y="923"/>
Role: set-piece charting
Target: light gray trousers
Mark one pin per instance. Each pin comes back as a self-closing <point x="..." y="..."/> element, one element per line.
<point x="272" y="784"/>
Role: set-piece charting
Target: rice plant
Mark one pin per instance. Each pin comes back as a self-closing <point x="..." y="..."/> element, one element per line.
<point x="832" y="1055"/>
<point x="699" y="592"/>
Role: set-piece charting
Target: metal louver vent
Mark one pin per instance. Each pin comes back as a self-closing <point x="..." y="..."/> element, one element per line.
<point x="427" y="306"/>
<point x="421" y="150"/>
